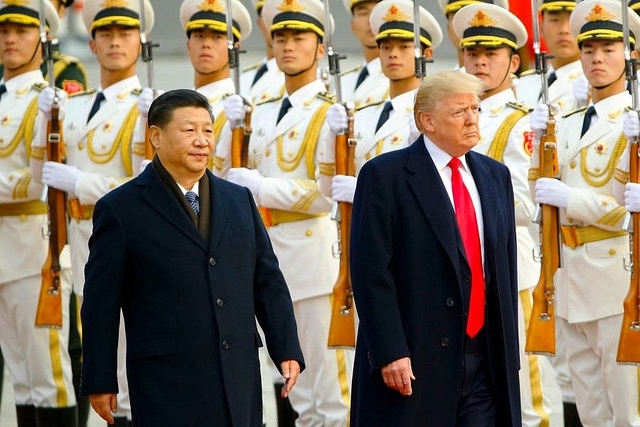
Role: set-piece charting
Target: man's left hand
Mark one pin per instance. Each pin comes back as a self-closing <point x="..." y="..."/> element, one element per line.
<point x="105" y="405"/>
<point x="290" y="371"/>
<point x="60" y="176"/>
<point x="343" y="188"/>
<point x="249" y="178"/>
<point x="398" y="375"/>
<point x="550" y="191"/>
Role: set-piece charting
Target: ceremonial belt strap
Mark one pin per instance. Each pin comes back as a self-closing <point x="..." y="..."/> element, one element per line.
<point x="78" y="211"/>
<point x="574" y="236"/>
<point x="33" y="207"/>
<point x="271" y="217"/>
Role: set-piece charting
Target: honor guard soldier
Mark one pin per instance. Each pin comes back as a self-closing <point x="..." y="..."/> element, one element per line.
<point x="449" y="8"/>
<point x="289" y="132"/>
<point x="104" y="134"/>
<point x="564" y="62"/>
<point x="592" y="283"/>
<point x="392" y="25"/>
<point x="489" y="38"/>
<point x="37" y="357"/>
<point x="263" y="80"/>
<point x="207" y="46"/>
<point x="366" y="83"/>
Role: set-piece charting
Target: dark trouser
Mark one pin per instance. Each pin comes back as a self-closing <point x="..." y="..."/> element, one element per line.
<point x="477" y="403"/>
<point x="75" y="353"/>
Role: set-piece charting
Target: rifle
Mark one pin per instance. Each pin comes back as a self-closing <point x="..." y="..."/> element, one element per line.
<point x="147" y="57"/>
<point x="49" y="310"/>
<point x="342" y="329"/>
<point x="629" y="343"/>
<point x="420" y="60"/>
<point x="240" y="132"/>
<point x="541" y="337"/>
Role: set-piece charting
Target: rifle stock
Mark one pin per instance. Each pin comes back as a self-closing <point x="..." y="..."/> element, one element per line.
<point x="49" y="310"/>
<point x="629" y="343"/>
<point x="541" y="338"/>
<point x="342" y="327"/>
<point x="240" y="142"/>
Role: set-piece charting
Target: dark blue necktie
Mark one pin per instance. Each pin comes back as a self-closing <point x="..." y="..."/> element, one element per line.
<point x="96" y="105"/>
<point x="3" y="90"/>
<point x="192" y="198"/>
<point x="286" y="104"/>
<point x="551" y="78"/>
<point x="384" y="116"/>
<point x="364" y="73"/>
<point x="259" y="74"/>
<point x="586" y="122"/>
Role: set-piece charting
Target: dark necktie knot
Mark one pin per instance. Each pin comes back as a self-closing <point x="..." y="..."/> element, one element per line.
<point x="286" y="105"/>
<point x="263" y="69"/>
<point x="192" y="198"/>
<point x="362" y="76"/>
<point x="551" y="78"/>
<point x="97" y="103"/>
<point x="3" y="90"/>
<point x="384" y="116"/>
<point x="586" y="121"/>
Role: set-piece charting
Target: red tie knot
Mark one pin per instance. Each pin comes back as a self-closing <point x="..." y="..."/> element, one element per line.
<point x="454" y="163"/>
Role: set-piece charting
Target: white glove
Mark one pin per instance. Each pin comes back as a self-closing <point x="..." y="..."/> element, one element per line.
<point x="343" y="187"/>
<point x="539" y="118"/>
<point x="631" y="124"/>
<point x="235" y="109"/>
<point x="550" y="191"/>
<point x="61" y="176"/>
<point x="632" y="197"/>
<point x="45" y="102"/>
<point x="146" y="98"/>
<point x="581" y="89"/>
<point x="143" y="165"/>
<point x="249" y="178"/>
<point x="337" y="118"/>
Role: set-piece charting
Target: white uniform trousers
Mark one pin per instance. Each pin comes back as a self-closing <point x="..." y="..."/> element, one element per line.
<point x="321" y="395"/>
<point x="606" y="392"/>
<point x="37" y="357"/>
<point x="540" y="395"/>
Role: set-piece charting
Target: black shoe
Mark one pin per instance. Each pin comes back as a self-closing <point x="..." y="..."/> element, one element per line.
<point x="121" y="422"/>
<point x="26" y="415"/>
<point x="57" y="417"/>
<point x="571" y="416"/>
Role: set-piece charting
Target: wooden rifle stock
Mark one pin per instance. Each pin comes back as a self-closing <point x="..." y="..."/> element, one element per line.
<point x="541" y="331"/>
<point x="240" y="142"/>
<point x="342" y="329"/>
<point x="629" y="344"/>
<point x="49" y="311"/>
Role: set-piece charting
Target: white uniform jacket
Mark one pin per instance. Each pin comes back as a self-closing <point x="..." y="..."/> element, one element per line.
<point x="374" y="89"/>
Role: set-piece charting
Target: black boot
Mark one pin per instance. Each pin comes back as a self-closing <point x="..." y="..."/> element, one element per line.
<point x="26" y="415"/>
<point x="75" y="353"/>
<point x="286" y="415"/>
<point x="121" y="422"/>
<point x="571" y="416"/>
<point x="57" y="417"/>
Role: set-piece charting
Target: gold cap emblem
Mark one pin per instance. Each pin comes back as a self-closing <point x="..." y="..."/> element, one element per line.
<point x="290" y="6"/>
<point x="16" y="2"/>
<point x="211" y="6"/>
<point x="395" y="14"/>
<point x="482" y="19"/>
<point x="599" y="13"/>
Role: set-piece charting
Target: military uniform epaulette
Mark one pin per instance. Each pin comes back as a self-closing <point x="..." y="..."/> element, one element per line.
<point x="40" y="86"/>
<point x="370" y="104"/>
<point x="272" y="99"/>
<point x="570" y="113"/>
<point x="83" y="92"/>
<point x="520" y="106"/>
<point x="228" y="94"/>
<point x="252" y="67"/>
<point x="528" y="72"/>
<point x="137" y="91"/>
<point x="351" y="70"/>
<point x="327" y="96"/>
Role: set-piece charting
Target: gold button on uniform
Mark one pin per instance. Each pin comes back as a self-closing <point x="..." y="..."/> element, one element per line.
<point x="308" y="233"/>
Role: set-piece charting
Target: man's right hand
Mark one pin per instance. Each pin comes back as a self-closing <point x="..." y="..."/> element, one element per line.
<point x="105" y="405"/>
<point x="45" y="102"/>
<point x="631" y="125"/>
<point x="337" y="118"/>
<point x="398" y="375"/>
<point x="235" y="109"/>
<point x="539" y="118"/>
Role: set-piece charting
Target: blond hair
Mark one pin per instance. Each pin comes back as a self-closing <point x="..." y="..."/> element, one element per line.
<point x="439" y="86"/>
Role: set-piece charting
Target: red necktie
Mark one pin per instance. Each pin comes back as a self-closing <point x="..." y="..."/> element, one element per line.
<point x="468" y="226"/>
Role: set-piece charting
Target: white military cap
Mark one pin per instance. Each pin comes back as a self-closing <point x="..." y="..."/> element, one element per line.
<point x="27" y="12"/>
<point x="211" y="14"/>
<point x="100" y="13"/>
<point x="602" y="20"/>
<point x="556" y="5"/>
<point x="349" y="4"/>
<point x="394" y="19"/>
<point x="635" y="5"/>
<point x="299" y="15"/>
<point x="452" y="6"/>
<point x="488" y="25"/>
<point x="257" y="5"/>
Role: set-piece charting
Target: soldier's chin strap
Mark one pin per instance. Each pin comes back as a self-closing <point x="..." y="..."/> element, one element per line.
<point x="623" y="76"/>
<point x="506" y="75"/>
<point x="35" y="52"/>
